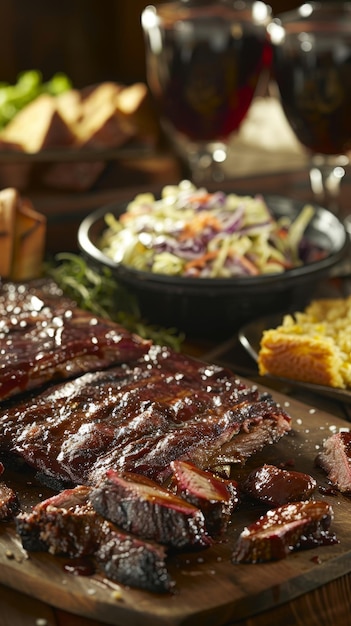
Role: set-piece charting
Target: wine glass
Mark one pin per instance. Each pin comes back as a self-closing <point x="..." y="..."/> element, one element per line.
<point x="312" y="69"/>
<point x="205" y="61"/>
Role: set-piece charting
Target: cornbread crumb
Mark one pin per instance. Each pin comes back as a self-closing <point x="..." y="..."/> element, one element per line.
<point x="9" y="554"/>
<point x="117" y="595"/>
<point x="311" y="346"/>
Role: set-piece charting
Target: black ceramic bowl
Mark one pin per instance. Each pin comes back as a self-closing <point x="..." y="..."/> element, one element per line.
<point x="217" y="307"/>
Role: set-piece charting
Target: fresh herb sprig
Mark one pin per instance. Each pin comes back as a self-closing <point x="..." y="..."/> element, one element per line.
<point x="99" y="292"/>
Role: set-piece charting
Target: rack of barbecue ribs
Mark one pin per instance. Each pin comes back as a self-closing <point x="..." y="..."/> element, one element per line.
<point x="124" y="403"/>
<point x="97" y="410"/>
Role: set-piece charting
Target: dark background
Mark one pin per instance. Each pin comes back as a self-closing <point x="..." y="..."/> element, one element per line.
<point x="90" y="40"/>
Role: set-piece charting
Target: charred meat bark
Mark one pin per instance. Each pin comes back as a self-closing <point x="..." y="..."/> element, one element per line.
<point x="57" y="524"/>
<point x="9" y="503"/>
<point x="216" y="497"/>
<point x="290" y="527"/>
<point x="146" y="509"/>
<point x="335" y="459"/>
<point x="67" y="524"/>
<point x="45" y="337"/>
<point x="140" y="418"/>
<point x="277" y="486"/>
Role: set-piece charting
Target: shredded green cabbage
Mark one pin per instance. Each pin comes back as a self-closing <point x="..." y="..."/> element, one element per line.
<point x="190" y="231"/>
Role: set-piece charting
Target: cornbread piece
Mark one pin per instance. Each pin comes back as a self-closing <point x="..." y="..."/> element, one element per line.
<point x="136" y="112"/>
<point x="91" y="115"/>
<point x="44" y="337"/>
<point x="99" y="117"/>
<point x="139" y="418"/>
<point x="215" y="496"/>
<point x="104" y="115"/>
<point x="22" y="237"/>
<point x="68" y="524"/>
<point x="335" y="459"/>
<point x="148" y="510"/>
<point x="99" y="124"/>
<point x="290" y="527"/>
<point x="38" y="125"/>
<point x="75" y="175"/>
<point x="278" y="486"/>
<point x="95" y="123"/>
<point x="69" y="105"/>
<point x="311" y="359"/>
<point x="312" y="346"/>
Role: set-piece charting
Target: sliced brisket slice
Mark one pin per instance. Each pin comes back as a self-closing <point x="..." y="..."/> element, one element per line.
<point x="146" y="509"/>
<point x="216" y="497"/>
<point x="290" y="527"/>
<point x="45" y="337"/>
<point x="67" y="524"/>
<point x="335" y="459"/>
<point x="278" y="486"/>
<point x="140" y="418"/>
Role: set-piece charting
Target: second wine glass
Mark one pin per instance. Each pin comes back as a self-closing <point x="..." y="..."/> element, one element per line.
<point x="204" y="63"/>
<point x="312" y="68"/>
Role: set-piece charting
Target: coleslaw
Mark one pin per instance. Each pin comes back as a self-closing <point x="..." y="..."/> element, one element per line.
<point x="190" y="231"/>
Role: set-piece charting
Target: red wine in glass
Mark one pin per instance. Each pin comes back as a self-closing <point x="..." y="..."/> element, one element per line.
<point x="206" y="91"/>
<point x="205" y="61"/>
<point x="316" y="93"/>
<point x="312" y="68"/>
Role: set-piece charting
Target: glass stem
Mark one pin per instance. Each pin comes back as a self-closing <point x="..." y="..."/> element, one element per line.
<point x="206" y="162"/>
<point x="326" y="174"/>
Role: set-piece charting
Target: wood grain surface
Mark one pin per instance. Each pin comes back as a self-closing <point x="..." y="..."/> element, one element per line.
<point x="209" y="587"/>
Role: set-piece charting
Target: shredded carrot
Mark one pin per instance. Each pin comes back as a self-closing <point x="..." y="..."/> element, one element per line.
<point x="251" y="267"/>
<point x="282" y="233"/>
<point x="200" y="199"/>
<point x="198" y="223"/>
<point x="200" y="262"/>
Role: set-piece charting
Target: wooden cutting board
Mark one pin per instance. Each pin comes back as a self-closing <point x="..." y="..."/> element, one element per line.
<point x="210" y="589"/>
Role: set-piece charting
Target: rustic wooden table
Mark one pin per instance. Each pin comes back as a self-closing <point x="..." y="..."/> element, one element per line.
<point x="327" y="605"/>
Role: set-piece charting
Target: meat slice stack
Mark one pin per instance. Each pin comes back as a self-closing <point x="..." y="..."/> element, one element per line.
<point x="67" y="524"/>
<point x="142" y="507"/>
<point x="126" y="524"/>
